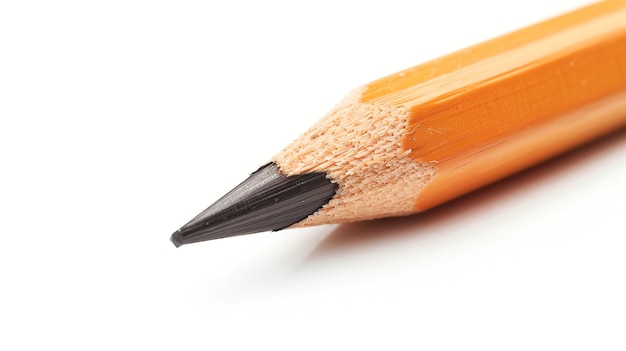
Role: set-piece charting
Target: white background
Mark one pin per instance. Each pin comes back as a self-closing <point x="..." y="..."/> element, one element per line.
<point x="121" y="120"/>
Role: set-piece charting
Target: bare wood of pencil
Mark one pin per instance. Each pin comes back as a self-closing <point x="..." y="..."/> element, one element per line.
<point x="425" y="135"/>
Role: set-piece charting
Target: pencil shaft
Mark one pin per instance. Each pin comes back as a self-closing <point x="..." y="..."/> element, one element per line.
<point x="517" y="107"/>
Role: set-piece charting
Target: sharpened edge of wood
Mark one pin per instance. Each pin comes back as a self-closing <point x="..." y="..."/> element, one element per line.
<point x="359" y="146"/>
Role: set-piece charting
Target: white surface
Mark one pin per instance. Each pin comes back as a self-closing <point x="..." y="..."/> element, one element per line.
<point x="114" y="119"/>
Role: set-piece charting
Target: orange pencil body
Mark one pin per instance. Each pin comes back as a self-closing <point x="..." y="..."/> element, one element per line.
<point x="486" y="112"/>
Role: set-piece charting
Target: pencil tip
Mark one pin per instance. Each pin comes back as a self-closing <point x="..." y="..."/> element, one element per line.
<point x="267" y="201"/>
<point x="177" y="238"/>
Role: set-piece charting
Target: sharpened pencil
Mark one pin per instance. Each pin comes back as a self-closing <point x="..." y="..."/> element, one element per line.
<point x="420" y="137"/>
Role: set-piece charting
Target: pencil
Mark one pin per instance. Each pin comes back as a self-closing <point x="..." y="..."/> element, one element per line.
<point x="420" y="137"/>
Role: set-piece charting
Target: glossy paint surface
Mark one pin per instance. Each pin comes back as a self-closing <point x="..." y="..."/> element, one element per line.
<point x="488" y="111"/>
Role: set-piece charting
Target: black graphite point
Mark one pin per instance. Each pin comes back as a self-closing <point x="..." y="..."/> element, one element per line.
<point x="267" y="200"/>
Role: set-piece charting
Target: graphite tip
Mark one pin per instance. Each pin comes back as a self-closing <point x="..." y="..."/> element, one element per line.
<point x="267" y="201"/>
